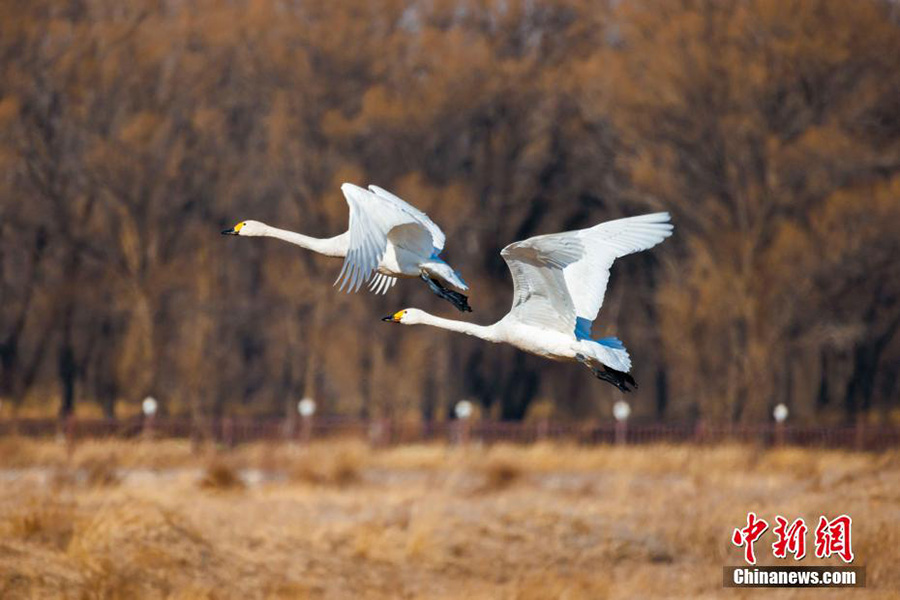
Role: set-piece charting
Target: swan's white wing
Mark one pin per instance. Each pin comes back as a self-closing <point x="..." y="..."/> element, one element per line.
<point x="540" y="297"/>
<point x="381" y="283"/>
<point x="587" y="278"/>
<point x="412" y="237"/>
<point x="373" y="221"/>
<point x="437" y="236"/>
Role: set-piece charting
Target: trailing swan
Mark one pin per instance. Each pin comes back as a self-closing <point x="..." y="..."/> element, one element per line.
<point x="559" y="281"/>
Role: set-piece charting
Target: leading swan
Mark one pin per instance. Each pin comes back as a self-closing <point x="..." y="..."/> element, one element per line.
<point x="559" y="281"/>
<point x="387" y="239"/>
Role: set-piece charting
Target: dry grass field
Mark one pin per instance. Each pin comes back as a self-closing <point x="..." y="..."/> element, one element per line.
<point x="338" y="520"/>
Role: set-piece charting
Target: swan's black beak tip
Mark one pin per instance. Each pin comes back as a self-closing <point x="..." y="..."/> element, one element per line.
<point x="229" y="231"/>
<point x="388" y="319"/>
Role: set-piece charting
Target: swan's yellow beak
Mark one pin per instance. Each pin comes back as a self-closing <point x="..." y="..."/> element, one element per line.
<point x="394" y="318"/>
<point x="236" y="230"/>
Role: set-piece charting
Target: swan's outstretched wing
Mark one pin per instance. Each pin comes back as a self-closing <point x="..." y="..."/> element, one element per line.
<point x="587" y="278"/>
<point x="381" y="283"/>
<point x="438" y="238"/>
<point x="374" y="220"/>
<point x="540" y="297"/>
<point x="560" y="279"/>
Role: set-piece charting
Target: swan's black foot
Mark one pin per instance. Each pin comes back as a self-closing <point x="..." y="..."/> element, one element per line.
<point x="460" y="301"/>
<point x="617" y="378"/>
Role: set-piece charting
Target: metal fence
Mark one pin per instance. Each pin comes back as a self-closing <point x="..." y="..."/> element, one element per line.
<point x="237" y="430"/>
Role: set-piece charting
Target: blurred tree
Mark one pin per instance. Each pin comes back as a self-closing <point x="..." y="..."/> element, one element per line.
<point x="744" y="118"/>
<point x="131" y="132"/>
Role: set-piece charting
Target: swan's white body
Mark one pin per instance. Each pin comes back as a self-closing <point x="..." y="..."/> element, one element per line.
<point x="387" y="239"/>
<point x="559" y="283"/>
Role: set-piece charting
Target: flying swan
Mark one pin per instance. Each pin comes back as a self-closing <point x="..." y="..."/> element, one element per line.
<point x="387" y="239"/>
<point x="559" y="281"/>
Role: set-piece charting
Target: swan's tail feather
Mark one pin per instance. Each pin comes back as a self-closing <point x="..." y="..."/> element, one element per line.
<point x="611" y="342"/>
<point x="438" y="269"/>
<point x="609" y="351"/>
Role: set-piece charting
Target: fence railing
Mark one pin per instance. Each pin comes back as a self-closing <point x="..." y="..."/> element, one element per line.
<point x="238" y="430"/>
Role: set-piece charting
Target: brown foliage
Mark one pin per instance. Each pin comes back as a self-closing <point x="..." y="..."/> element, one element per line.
<point x="131" y="132"/>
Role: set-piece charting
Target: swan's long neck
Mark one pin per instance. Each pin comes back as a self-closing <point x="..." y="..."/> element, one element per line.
<point x="485" y="332"/>
<point x="335" y="246"/>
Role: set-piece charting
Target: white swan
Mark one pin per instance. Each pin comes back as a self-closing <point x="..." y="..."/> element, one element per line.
<point x="559" y="281"/>
<point x="387" y="239"/>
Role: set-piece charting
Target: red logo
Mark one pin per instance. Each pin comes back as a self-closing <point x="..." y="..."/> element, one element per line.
<point x="790" y="538"/>
<point x="748" y="535"/>
<point x="833" y="537"/>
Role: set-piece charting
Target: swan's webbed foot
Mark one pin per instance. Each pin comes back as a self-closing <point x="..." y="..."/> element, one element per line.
<point x="460" y="301"/>
<point x="617" y="378"/>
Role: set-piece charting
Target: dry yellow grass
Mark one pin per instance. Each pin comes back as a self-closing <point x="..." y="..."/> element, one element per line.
<point x="221" y="476"/>
<point x="338" y="520"/>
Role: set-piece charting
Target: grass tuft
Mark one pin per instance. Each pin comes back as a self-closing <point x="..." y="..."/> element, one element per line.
<point x="42" y="521"/>
<point x="221" y="476"/>
<point x="101" y="471"/>
<point x="330" y="465"/>
<point x="499" y="473"/>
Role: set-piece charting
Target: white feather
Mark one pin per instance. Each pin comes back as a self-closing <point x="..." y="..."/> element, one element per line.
<point x="588" y="277"/>
<point x="438" y="238"/>
<point x="376" y="221"/>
